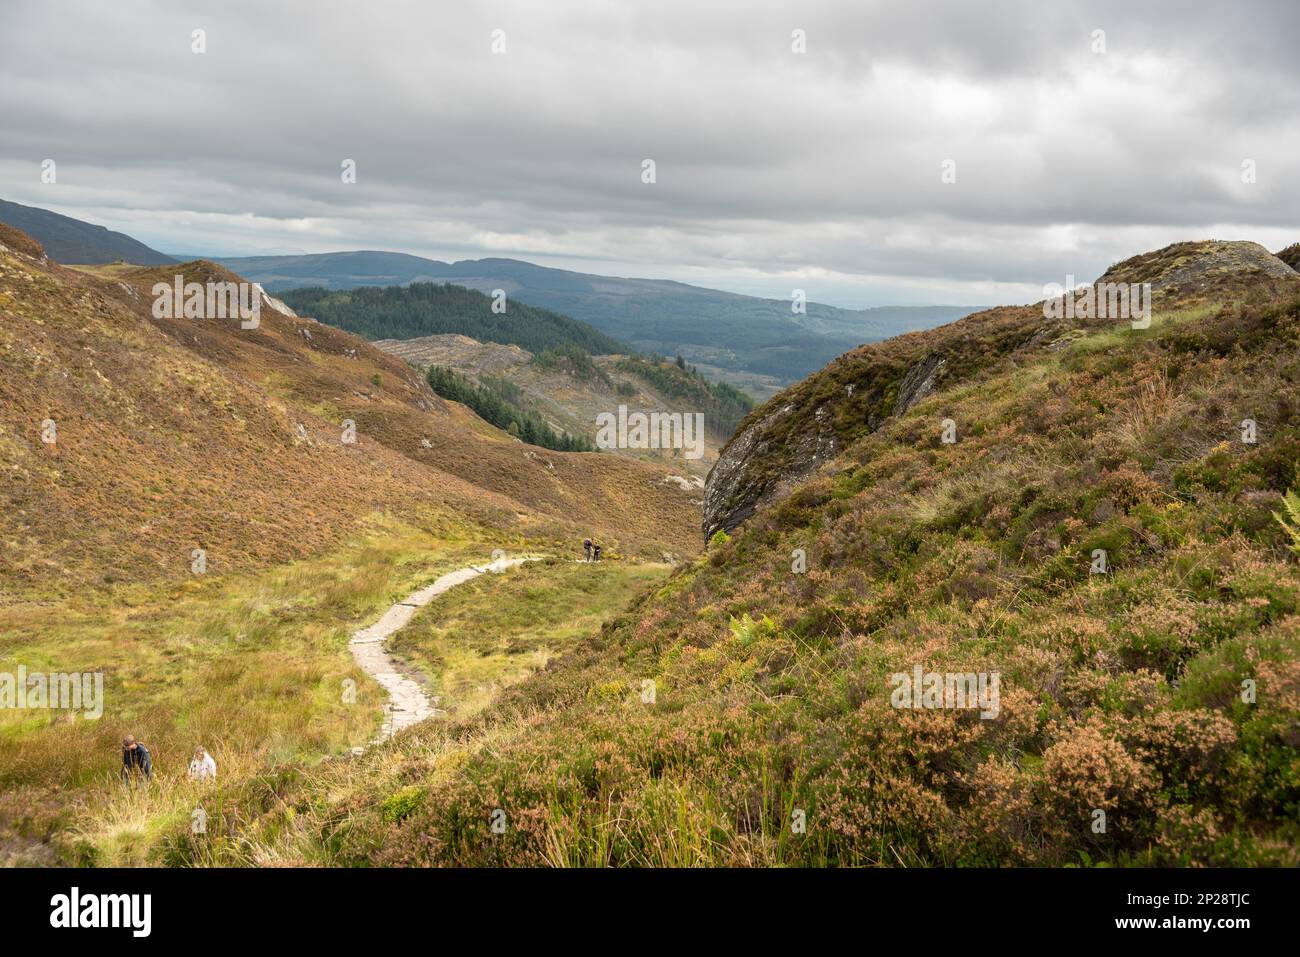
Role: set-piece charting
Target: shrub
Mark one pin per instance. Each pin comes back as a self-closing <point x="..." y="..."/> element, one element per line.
<point x="402" y="804"/>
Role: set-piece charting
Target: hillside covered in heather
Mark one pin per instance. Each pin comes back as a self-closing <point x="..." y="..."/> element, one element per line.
<point x="740" y="712"/>
<point x="201" y="513"/>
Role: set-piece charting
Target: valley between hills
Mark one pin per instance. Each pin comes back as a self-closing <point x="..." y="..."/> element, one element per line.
<point x="724" y="670"/>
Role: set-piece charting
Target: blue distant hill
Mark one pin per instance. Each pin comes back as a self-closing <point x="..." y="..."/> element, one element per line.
<point x="723" y="329"/>
<point x="69" y="240"/>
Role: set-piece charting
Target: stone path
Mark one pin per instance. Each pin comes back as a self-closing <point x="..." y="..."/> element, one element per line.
<point x="407" y="702"/>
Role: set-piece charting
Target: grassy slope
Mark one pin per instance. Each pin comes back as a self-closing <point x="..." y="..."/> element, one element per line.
<point x="252" y="665"/>
<point x="1121" y="692"/>
<point x="481" y="636"/>
<point x="496" y="630"/>
<point x="176" y="434"/>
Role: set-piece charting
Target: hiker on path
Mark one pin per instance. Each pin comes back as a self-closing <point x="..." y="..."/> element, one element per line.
<point x="586" y="549"/>
<point x="135" y="760"/>
<point x="202" y="767"/>
<point x="595" y="549"/>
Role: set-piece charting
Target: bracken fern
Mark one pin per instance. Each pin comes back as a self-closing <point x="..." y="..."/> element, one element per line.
<point x="1291" y="520"/>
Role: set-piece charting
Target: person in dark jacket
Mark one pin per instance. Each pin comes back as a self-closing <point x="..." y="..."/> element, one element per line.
<point x="135" y="760"/>
<point x="595" y="551"/>
<point x="586" y="549"/>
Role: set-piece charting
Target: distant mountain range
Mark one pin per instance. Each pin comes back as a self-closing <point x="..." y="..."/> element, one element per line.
<point x="712" y="328"/>
<point x="758" y="344"/>
<point x="69" y="240"/>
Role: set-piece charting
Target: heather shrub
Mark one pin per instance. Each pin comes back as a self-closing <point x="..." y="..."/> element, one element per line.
<point x="1149" y="711"/>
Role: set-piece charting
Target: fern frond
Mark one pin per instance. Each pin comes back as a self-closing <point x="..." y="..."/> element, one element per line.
<point x="1290" y="522"/>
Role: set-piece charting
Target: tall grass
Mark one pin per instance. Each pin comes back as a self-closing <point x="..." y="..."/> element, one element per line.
<point x="252" y="667"/>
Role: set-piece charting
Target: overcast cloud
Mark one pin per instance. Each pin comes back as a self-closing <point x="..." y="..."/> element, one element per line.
<point x="774" y="169"/>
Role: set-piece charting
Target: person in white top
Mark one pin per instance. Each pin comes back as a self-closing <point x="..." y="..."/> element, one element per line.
<point x="203" y="768"/>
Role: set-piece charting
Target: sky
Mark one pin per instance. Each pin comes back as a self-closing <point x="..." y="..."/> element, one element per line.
<point x="912" y="153"/>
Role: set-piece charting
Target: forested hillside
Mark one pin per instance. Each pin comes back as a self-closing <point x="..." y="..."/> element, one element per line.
<point x="501" y="402"/>
<point x="427" y="309"/>
<point x="723" y="404"/>
<point x="569" y="390"/>
<point x="733" y="333"/>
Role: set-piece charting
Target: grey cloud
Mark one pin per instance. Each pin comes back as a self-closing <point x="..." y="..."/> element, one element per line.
<point x="768" y="163"/>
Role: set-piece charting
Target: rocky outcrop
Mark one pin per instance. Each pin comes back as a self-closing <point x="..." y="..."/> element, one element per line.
<point x="1291" y="256"/>
<point x="738" y="485"/>
<point x="687" y="483"/>
<point x="19" y="241"/>
<point x="920" y="382"/>
<point x="1186" y="270"/>
<point x="802" y="429"/>
<point x="772" y="454"/>
<point x="274" y="303"/>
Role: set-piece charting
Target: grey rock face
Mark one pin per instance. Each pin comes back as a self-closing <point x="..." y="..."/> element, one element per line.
<point x="1291" y="256"/>
<point x="736" y="489"/>
<point x="920" y="382"/>
<point x="1198" y="265"/>
<point x="767" y="459"/>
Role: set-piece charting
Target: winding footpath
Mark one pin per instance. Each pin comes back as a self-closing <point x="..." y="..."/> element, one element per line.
<point x="407" y="702"/>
